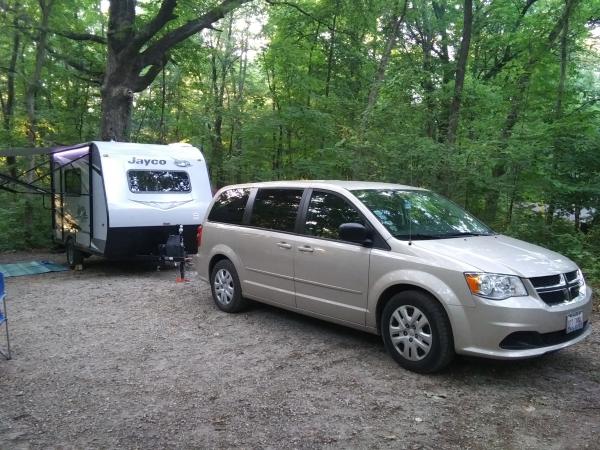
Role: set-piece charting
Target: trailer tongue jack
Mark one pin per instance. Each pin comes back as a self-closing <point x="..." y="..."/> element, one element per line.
<point x="173" y="252"/>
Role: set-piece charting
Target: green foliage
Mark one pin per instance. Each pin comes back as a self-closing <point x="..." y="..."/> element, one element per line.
<point x="13" y="231"/>
<point x="561" y="237"/>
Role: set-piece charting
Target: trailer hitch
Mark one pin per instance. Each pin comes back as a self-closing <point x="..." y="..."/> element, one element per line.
<point x="173" y="252"/>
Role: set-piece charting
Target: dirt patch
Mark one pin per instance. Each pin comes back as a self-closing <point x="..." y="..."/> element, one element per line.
<point x="122" y="356"/>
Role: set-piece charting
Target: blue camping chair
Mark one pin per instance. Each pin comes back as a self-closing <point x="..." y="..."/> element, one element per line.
<point x="3" y="318"/>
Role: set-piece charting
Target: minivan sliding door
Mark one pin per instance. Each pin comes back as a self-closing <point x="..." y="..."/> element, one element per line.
<point x="266" y="246"/>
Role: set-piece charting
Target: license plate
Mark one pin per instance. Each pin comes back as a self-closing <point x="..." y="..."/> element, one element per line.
<point x="574" y="321"/>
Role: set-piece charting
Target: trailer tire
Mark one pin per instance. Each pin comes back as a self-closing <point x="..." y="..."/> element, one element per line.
<point x="74" y="255"/>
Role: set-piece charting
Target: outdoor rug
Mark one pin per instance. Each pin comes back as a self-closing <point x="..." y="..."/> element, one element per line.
<point x="30" y="268"/>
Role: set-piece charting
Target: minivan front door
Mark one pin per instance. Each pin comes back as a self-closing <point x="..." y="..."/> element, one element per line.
<point x="331" y="276"/>
<point x="267" y="246"/>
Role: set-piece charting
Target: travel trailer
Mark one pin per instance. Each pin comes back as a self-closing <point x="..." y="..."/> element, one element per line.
<point x="125" y="200"/>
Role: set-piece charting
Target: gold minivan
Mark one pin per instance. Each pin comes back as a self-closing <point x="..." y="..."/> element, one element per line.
<point x="394" y="260"/>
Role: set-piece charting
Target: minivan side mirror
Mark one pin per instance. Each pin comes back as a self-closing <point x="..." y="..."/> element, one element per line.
<point x="355" y="232"/>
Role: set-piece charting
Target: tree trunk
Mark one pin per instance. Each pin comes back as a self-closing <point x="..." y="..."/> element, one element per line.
<point x="330" y="54"/>
<point x="216" y="134"/>
<point x="461" y="68"/>
<point x="34" y="81"/>
<point x="8" y="108"/>
<point x="239" y="99"/>
<point x="428" y="90"/>
<point x="163" y="103"/>
<point x="117" y="105"/>
<point x="135" y="56"/>
<point x="219" y="70"/>
<point x="117" y="90"/>
<point x="564" y="60"/>
<point x="31" y="105"/>
<point x="381" y="69"/>
<point x="309" y="70"/>
<point x="439" y="10"/>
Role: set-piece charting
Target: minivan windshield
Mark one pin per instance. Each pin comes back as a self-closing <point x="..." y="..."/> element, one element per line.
<point x="411" y="214"/>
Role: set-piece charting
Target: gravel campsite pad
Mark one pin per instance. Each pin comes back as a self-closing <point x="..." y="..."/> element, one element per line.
<point x="119" y="355"/>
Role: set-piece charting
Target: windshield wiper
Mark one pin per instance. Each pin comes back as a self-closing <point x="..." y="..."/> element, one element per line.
<point x="416" y="236"/>
<point x="463" y="234"/>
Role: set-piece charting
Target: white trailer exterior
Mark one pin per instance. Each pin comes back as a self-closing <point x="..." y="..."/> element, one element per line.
<point x="122" y="200"/>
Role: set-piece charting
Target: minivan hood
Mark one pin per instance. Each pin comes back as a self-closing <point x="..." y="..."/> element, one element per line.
<point x="500" y="254"/>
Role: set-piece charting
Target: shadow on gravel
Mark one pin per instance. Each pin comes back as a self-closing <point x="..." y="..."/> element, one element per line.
<point x="464" y="369"/>
<point x="97" y="265"/>
<point x="313" y="325"/>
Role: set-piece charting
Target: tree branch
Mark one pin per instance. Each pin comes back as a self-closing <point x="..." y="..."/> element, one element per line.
<point x="71" y="62"/>
<point x="308" y="14"/>
<point x="143" y="81"/>
<point x="164" y="15"/>
<point x="155" y="52"/>
<point x="80" y="36"/>
<point x="585" y="104"/>
<point x="76" y="64"/>
<point x="508" y="55"/>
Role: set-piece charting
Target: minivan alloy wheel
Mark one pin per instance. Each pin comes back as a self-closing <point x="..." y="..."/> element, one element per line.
<point x="410" y="332"/>
<point x="223" y="284"/>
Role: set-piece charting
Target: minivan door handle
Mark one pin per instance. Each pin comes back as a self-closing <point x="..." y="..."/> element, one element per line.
<point x="306" y="249"/>
<point x="284" y="245"/>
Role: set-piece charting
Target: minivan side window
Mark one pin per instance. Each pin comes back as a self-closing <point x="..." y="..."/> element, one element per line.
<point x="230" y="206"/>
<point x="326" y="212"/>
<point x="276" y="209"/>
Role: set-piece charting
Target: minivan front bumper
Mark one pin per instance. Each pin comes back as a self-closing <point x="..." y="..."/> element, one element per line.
<point x="517" y="328"/>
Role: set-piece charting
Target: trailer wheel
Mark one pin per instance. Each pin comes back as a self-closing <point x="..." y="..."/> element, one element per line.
<point x="74" y="255"/>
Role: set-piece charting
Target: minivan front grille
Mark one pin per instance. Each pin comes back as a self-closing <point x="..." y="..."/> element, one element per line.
<point x="571" y="276"/>
<point x="557" y="289"/>
<point x="540" y="282"/>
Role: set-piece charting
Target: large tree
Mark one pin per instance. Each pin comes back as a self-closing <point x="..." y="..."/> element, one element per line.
<point x="135" y="56"/>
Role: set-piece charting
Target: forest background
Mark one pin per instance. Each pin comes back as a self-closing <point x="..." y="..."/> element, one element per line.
<point x="493" y="103"/>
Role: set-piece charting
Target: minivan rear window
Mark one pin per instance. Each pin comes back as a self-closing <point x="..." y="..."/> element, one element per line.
<point x="276" y="209"/>
<point x="158" y="181"/>
<point x="230" y="206"/>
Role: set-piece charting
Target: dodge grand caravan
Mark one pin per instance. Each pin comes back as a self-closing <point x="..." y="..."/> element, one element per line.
<point x="395" y="260"/>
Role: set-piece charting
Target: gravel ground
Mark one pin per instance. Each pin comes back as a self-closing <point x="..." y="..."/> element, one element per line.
<point x="121" y="356"/>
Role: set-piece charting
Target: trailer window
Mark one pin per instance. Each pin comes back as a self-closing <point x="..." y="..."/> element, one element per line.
<point x="159" y="181"/>
<point x="73" y="181"/>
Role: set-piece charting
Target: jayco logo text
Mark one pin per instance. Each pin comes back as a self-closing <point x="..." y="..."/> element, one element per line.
<point x="146" y="162"/>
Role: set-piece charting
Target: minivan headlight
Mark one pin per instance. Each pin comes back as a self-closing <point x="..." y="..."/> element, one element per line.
<point x="495" y="286"/>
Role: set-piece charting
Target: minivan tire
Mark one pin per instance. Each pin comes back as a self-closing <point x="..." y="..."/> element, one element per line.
<point x="408" y="321"/>
<point x="226" y="288"/>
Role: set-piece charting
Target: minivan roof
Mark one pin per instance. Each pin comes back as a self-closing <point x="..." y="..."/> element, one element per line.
<point x="348" y="185"/>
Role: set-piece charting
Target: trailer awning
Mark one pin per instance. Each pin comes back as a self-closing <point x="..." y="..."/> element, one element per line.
<point x="22" y="184"/>
<point x="40" y="151"/>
